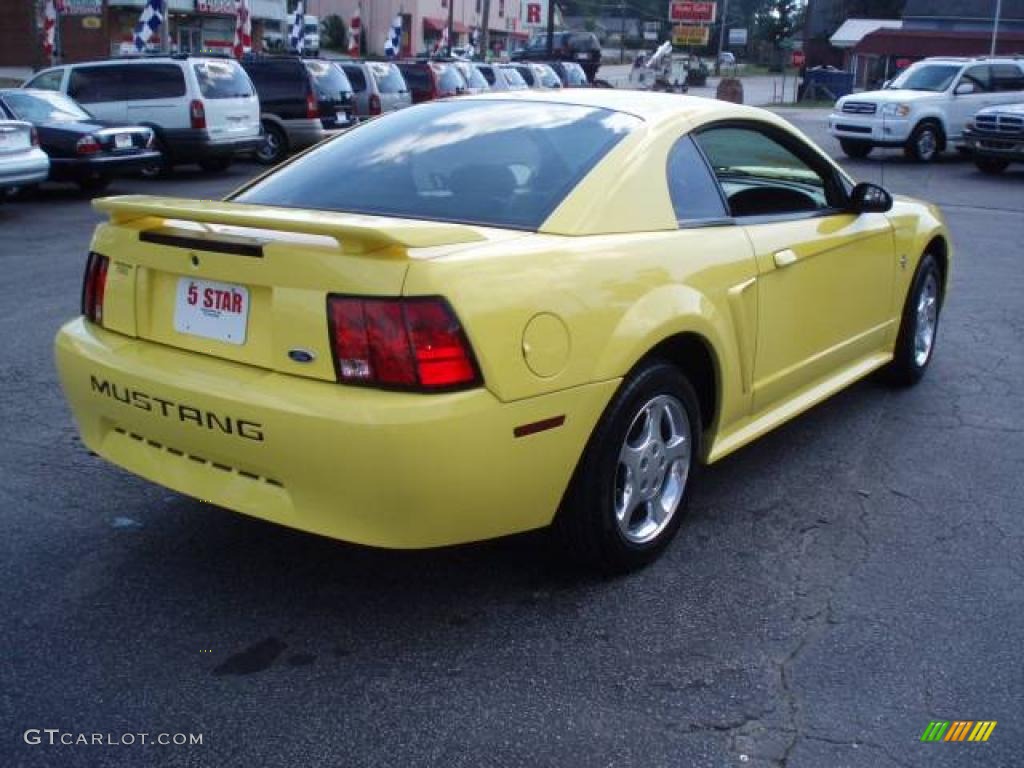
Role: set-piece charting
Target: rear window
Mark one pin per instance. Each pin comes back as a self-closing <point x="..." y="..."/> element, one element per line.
<point x="473" y="76"/>
<point x="449" y="79"/>
<point x="330" y="81"/>
<point x="494" y="163"/>
<point x="513" y="78"/>
<point x="355" y="76"/>
<point x="574" y="74"/>
<point x="388" y="78"/>
<point x="488" y="72"/>
<point x="222" y="80"/>
<point x="416" y="76"/>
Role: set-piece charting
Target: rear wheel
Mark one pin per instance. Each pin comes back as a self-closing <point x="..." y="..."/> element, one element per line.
<point x="274" y="147"/>
<point x="924" y="144"/>
<point x="215" y="164"/>
<point x="991" y="165"/>
<point x="919" y="325"/>
<point x="855" y="149"/>
<point x="627" y="498"/>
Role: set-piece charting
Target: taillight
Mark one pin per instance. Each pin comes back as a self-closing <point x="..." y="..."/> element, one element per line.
<point x="311" y="106"/>
<point x="93" y="287"/>
<point x="34" y="135"/>
<point x="197" y="114"/>
<point x="414" y="343"/>
<point x="374" y="104"/>
<point x="87" y="145"/>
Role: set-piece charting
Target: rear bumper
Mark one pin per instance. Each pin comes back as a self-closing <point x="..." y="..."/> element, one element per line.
<point x="75" y="168"/>
<point x="31" y="167"/>
<point x="380" y="468"/>
<point x="190" y="145"/>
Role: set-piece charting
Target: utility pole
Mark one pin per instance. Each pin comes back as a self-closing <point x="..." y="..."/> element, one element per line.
<point x="622" y="31"/>
<point x="485" y="31"/>
<point x="165" y="28"/>
<point x="995" y="27"/>
<point x="451" y="26"/>
<point x="551" y="28"/>
<point x="721" y="37"/>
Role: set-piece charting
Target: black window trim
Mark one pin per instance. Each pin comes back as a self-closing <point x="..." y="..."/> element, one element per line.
<point x="799" y="148"/>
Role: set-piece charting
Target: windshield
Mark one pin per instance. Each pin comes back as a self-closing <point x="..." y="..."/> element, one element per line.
<point x="494" y="163"/>
<point x="389" y="78"/>
<point x="222" y="80"/>
<point x="330" y="81"/>
<point x="926" y="77"/>
<point x="44" y="107"/>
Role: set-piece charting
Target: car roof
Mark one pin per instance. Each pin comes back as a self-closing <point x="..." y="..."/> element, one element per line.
<point x="650" y="106"/>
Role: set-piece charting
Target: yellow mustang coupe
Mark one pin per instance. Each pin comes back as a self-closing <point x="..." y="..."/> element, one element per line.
<point x="493" y="314"/>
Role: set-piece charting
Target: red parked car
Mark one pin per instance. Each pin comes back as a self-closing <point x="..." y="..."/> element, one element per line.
<point x="430" y="80"/>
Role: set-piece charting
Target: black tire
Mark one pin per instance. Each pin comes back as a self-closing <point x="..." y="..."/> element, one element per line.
<point x="907" y="366"/>
<point x="586" y="523"/>
<point x="274" y="148"/>
<point x="855" y="149"/>
<point x="925" y="143"/>
<point x="94" y="184"/>
<point x="993" y="166"/>
<point x="215" y="164"/>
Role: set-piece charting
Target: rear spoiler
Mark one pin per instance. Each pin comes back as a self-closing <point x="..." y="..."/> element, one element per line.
<point x="355" y="233"/>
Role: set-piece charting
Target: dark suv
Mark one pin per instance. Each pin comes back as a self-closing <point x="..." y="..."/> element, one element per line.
<point x="581" y="47"/>
<point x="430" y="80"/>
<point x="302" y="101"/>
<point x="995" y="136"/>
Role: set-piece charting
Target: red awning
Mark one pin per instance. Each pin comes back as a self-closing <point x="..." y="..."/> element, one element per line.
<point x="436" y="25"/>
<point x="920" y="43"/>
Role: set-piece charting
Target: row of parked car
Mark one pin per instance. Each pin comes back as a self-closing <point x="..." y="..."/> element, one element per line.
<point x="90" y="122"/>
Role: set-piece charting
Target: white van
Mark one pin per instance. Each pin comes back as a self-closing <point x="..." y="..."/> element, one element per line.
<point x="202" y="109"/>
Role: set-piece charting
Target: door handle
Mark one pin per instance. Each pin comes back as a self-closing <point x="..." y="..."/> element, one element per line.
<point x="785" y="258"/>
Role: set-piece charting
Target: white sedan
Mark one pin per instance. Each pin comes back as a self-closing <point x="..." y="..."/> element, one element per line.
<point x="22" y="162"/>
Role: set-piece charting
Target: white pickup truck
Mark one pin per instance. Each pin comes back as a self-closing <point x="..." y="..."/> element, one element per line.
<point x="924" y="110"/>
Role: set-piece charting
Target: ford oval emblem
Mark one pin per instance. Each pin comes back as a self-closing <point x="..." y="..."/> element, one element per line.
<point x="301" y="355"/>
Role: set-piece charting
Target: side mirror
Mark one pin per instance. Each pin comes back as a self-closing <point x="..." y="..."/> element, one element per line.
<point x="870" y="198"/>
<point x="963" y="88"/>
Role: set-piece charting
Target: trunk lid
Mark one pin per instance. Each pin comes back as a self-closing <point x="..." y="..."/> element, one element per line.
<point x="249" y="283"/>
<point x="14" y="137"/>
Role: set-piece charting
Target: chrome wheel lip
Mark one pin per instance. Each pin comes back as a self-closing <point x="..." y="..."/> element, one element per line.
<point x="926" y="320"/>
<point x="927" y="144"/>
<point x="652" y="469"/>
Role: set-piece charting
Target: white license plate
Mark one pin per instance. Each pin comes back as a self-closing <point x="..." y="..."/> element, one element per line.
<point x="581" y="56"/>
<point x="218" y="311"/>
<point x="122" y="141"/>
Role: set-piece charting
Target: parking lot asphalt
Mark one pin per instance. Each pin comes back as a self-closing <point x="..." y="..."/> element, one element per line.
<point x="835" y="587"/>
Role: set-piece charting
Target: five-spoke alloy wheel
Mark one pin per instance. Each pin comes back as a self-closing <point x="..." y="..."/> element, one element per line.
<point x="628" y="495"/>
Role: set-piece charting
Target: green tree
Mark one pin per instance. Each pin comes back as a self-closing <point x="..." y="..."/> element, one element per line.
<point x="332" y="33"/>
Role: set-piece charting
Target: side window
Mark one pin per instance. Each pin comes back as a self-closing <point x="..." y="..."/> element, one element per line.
<point x="761" y="177"/>
<point x="93" y="85"/>
<point x="153" y="81"/>
<point x="694" y="193"/>
<point x="978" y="76"/>
<point x="356" y="77"/>
<point x="47" y="81"/>
<point x="1007" y="77"/>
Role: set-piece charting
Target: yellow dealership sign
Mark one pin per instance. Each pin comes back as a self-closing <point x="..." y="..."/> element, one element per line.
<point x="690" y="34"/>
